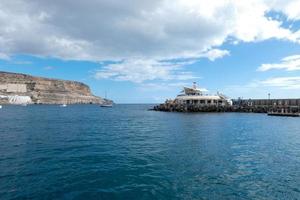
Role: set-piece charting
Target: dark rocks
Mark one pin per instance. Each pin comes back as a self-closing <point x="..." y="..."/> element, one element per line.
<point x="173" y="107"/>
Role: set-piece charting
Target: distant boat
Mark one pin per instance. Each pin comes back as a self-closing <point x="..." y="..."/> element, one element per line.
<point x="0" y="106"/>
<point x="64" y="103"/>
<point x="107" y="104"/>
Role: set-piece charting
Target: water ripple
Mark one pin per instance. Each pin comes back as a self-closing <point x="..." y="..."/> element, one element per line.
<point x="127" y="152"/>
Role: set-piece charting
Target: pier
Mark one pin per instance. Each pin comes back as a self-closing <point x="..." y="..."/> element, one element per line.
<point x="193" y="99"/>
<point x="280" y="107"/>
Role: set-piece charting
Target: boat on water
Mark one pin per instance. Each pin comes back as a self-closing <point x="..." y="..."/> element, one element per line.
<point x="196" y="96"/>
<point x="63" y="105"/>
<point x="106" y="105"/>
<point x="0" y="106"/>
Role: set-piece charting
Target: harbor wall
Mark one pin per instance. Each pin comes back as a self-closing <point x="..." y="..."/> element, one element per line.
<point x="266" y="102"/>
<point x="250" y="105"/>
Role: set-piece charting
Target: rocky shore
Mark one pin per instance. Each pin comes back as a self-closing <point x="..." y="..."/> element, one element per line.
<point x="213" y="108"/>
<point x="45" y="90"/>
<point x="249" y="106"/>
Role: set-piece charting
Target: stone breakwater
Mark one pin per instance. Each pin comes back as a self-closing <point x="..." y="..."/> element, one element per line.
<point x="45" y="90"/>
<point x="254" y="106"/>
<point x="193" y="108"/>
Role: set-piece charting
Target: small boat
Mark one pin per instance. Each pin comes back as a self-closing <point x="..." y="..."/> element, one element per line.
<point x="0" y="106"/>
<point x="108" y="105"/>
<point x="64" y="103"/>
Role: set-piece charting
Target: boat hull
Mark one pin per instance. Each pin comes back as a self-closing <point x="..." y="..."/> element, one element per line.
<point x="106" y="106"/>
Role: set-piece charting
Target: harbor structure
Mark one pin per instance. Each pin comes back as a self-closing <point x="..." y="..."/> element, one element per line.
<point x="274" y="107"/>
<point x="266" y="102"/>
<point x="196" y="96"/>
<point x="194" y="99"/>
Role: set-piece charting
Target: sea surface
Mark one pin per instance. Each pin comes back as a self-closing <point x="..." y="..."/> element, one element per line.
<point x="127" y="152"/>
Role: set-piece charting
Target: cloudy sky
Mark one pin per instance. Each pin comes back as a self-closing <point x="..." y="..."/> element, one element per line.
<point x="142" y="51"/>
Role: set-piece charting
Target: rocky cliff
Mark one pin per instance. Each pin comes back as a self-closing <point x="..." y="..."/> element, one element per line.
<point x="45" y="90"/>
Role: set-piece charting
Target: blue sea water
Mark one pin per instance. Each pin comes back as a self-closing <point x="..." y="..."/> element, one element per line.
<point x="126" y="152"/>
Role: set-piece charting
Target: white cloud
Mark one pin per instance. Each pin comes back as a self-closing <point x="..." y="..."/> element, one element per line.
<point x="48" y="68"/>
<point x="116" y="30"/>
<point x="290" y="83"/>
<point x="162" y="86"/>
<point x="214" y="54"/>
<point x="285" y="83"/>
<point x="289" y="8"/>
<point x="290" y="63"/>
<point x="278" y="87"/>
<point x="140" y="70"/>
<point x="166" y="86"/>
<point x="132" y="30"/>
<point x="4" y="56"/>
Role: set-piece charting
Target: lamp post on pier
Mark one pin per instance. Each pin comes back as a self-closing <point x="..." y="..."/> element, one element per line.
<point x="269" y="102"/>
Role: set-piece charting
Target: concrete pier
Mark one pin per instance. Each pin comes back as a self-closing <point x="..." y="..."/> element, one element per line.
<point x="251" y="105"/>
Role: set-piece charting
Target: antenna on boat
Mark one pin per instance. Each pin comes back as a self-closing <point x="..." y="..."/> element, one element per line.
<point x="194" y="85"/>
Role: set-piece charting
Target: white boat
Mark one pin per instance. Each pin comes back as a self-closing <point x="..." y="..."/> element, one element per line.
<point x="106" y="105"/>
<point x="0" y="106"/>
<point x="195" y="96"/>
<point x="63" y="105"/>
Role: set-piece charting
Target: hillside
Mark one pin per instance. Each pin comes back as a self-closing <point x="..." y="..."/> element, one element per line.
<point x="44" y="90"/>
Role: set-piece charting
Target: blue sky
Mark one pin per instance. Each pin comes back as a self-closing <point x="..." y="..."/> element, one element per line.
<point x="147" y="51"/>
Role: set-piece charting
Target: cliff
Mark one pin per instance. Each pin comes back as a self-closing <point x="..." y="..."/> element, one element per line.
<point x="45" y="90"/>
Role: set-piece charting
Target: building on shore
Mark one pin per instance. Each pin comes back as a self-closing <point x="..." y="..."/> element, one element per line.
<point x="195" y="96"/>
<point x="16" y="99"/>
<point x="193" y="99"/>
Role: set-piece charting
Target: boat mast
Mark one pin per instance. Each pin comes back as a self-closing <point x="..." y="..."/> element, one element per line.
<point x="194" y="85"/>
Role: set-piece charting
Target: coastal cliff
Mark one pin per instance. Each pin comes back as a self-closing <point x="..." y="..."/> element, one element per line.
<point x="45" y="90"/>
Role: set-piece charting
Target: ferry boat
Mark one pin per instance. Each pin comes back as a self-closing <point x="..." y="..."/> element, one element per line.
<point x="196" y="96"/>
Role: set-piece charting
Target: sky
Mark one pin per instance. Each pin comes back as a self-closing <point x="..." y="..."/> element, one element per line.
<point x="141" y="51"/>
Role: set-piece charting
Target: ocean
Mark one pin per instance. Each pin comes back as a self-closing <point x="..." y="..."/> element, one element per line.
<point x="127" y="152"/>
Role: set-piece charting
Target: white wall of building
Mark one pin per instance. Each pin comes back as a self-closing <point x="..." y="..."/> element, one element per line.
<point x="11" y="87"/>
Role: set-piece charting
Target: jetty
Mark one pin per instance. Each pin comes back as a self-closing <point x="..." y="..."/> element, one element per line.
<point x="290" y="111"/>
<point x="193" y="99"/>
<point x="280" y="114"/>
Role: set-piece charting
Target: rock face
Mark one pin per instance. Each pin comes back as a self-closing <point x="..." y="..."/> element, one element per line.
<point x="45" y="90"/>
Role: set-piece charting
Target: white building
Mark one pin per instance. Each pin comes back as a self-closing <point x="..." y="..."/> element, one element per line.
<point x="195" y="96"/>
<point x="16" y="99"/>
